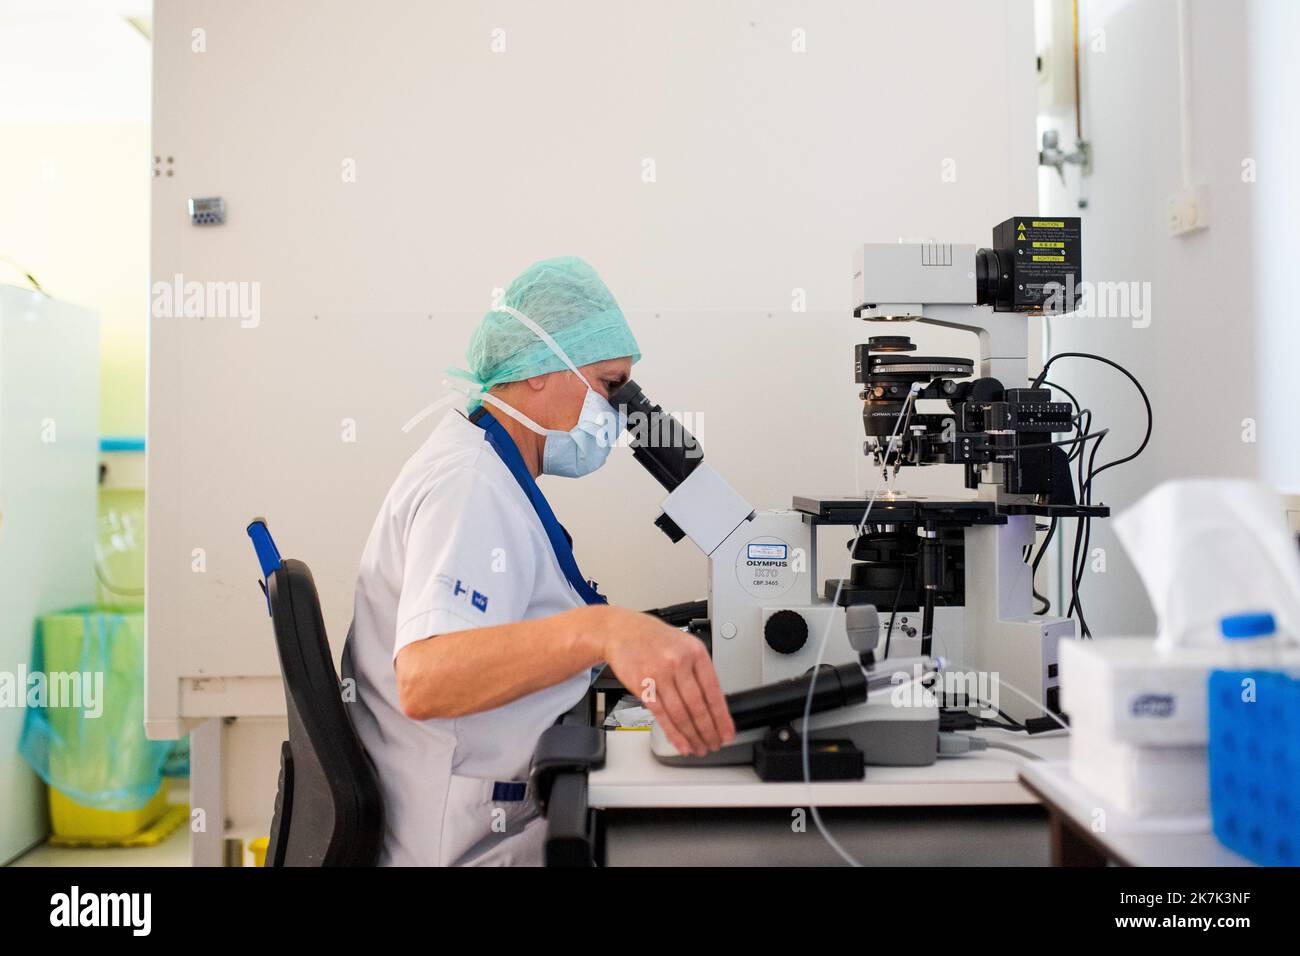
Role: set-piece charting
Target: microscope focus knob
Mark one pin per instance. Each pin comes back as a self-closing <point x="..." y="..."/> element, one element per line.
<point x="786" y="631"/>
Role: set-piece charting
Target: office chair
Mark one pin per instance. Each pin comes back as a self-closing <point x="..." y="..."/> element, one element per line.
<point x="328" y="811"/>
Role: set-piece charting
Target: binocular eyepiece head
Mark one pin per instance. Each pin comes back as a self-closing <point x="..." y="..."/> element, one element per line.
<point x="659" y="442"/>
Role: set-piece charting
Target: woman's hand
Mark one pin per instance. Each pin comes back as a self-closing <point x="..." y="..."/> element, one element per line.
<point x="672" y="674"/>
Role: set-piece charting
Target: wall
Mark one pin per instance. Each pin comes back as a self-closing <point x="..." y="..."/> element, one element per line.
<point x="1273" y="71"/>
<point x="1199" y="354"/>
<point x="74" y="170"/>
<point x="76" y="216"/>
<point x="384" y="170"/>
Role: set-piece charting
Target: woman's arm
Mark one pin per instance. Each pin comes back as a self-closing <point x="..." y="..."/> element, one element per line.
<point x="464" y="672"/>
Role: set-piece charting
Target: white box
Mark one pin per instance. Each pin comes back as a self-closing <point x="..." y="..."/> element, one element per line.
<point x="1139" y="721"/>
<point x="1142" y="780"/>
<point x="1122" y="689"/>
<point x="913" y="273"/>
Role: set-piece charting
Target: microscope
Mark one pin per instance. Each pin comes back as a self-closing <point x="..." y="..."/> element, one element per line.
<point x="951" y="575"/>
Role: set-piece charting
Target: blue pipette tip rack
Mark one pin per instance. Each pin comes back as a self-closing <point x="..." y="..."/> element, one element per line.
<point x="1254" y="753"/>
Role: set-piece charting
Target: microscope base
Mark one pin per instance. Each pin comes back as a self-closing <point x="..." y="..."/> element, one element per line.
<point x="889" y="732"/>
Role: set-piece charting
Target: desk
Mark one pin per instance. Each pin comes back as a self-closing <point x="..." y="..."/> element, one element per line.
<point x="960" y="810"/>
<point x="1071" y="809"/>
<point x="632" y="778"/>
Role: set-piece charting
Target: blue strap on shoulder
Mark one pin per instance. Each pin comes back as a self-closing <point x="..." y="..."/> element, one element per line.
<point x="268" y="555"/>
<point x="506" y="450"/>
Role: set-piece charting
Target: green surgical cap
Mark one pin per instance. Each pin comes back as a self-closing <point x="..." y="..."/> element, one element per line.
<point x="569" y="301"/>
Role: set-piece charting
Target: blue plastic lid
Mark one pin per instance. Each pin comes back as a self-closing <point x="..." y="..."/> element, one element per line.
<point x="1237" y="626"/>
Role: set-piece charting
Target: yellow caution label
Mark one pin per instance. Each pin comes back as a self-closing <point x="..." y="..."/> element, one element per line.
<point x="1049" y="245"/>
<point x="1047" y="224"/>
<point x="1049" y="258"/>
<point x="1020" y="238"/>
<point x="1021" y="227"/>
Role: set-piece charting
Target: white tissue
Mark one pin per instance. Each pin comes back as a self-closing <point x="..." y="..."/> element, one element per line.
<point x="1208" y="548"/>
<point x="631" y="717"/>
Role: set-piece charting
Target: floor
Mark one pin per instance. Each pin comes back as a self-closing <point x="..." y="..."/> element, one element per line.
<point x="989" y="836"/>
<point x="172" y="851"/>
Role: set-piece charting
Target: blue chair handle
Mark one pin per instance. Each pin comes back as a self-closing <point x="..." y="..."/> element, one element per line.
<point x="268" y="555"/>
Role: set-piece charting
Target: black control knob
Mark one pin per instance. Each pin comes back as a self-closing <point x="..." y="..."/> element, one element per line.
<point x="786" y="632"/>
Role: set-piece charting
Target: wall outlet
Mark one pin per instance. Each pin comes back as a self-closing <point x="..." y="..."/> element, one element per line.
<point x="1187" y="211"/>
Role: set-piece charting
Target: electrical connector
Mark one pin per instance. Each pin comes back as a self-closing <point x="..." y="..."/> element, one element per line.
<point x="954" y="745"/>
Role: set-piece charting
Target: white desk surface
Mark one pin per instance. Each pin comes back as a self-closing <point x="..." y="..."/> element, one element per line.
<point x="632" y="778"/>
<point x="1158" y="845"/>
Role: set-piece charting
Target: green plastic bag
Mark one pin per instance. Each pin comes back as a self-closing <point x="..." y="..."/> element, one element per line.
<point x="85" y="735"/>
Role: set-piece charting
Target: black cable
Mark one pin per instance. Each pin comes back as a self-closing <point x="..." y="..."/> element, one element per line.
<point x="1083" y="532"/>
<point x="927" y="622"/>
<point x="1068" y="394"/>
<point x="1081" y="499"/>
<point x="1064" y="441"/>
<point x="1000" y="725"/>
<point x="1047" y="605"/>
<point x="1087" y="521"/>
<point x="1033" y="568"/>
<point x="1011" y="722"/>
<point x="1075" y="574"/>
<point x="1078" y="457"/>
<point x="898" y="595"/>
<point x="1084" y="498"/>
<point x="1082" y="537"/>
<point x="1078" y="413"/>
<point x="1080" y="431"/>
<point x="1129" y="375"/>
<point x="1086" y="490"/>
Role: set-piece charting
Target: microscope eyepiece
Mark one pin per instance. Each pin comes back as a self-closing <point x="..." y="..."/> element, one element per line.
<point x="659" y="442"/>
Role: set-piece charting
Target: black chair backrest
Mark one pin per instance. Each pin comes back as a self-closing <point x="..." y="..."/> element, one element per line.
<point x="328" y="810"/>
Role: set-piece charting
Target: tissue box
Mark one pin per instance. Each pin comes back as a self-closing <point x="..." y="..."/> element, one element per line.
<point x="1123" y="689"/>
<point x="1142" y="780"/>
<point x="1139" y="721"/>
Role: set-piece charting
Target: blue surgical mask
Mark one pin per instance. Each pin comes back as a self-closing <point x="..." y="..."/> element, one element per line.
<point x="584" y="447"/>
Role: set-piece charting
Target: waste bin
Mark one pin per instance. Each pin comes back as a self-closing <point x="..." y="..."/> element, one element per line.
<point x="83" y="731"/>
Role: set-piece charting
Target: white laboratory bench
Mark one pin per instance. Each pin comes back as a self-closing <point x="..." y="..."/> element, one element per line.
<point x="1076" y="841"/>
<point x="966" y="810"/>
<point x="633" y="778"/>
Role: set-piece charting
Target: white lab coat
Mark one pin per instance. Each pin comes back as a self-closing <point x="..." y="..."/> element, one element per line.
<point x="456" y="545"/>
